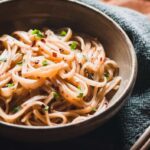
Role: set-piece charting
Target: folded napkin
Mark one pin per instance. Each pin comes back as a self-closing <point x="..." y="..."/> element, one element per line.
<point x="123" y="129"/>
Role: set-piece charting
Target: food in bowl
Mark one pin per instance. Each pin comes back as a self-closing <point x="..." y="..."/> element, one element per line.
<point x="52" y="78"/>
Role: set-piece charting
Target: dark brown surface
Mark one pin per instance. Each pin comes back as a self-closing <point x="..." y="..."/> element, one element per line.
<point x="142" y="6"/>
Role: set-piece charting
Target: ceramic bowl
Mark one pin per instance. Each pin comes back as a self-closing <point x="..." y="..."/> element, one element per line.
<point x="30" y="14"/>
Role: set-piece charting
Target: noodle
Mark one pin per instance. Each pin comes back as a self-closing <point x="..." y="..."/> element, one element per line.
<point x="53" y="78"/>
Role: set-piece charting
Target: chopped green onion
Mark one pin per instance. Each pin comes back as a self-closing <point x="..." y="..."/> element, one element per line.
<point x="46" y="108"/>
<point x="56" y="95"/>
<point x="20" y="63"/>
<point x="16" y="109"/>
<point x="80" y="95"/>
<point x="94" y="109"/>
<point x="63" y="33"/>
<point x="38" y="33"/>
<point x="106" y="74"/>
<point x="3" y="59"/>
<point x="73" y="45"/>
<point x="10" y="85"/>
<point x="44" y="63"/>
<point x="79" y="88"/>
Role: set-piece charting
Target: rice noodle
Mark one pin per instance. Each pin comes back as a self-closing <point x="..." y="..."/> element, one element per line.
<point x="53" y="78"/>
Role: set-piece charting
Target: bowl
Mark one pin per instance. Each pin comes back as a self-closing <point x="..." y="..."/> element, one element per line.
<point x="27" y="14"/>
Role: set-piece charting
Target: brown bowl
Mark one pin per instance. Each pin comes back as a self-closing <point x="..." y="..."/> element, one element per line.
<point x="26" y="14"/>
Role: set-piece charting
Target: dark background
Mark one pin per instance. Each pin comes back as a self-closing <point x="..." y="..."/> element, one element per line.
<point x="106" y="137"/>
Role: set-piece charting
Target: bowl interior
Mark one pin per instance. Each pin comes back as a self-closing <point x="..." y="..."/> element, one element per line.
<point x="24" y="15"/>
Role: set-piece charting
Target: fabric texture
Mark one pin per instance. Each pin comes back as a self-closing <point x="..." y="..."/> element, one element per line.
<point x="135" y="115"/>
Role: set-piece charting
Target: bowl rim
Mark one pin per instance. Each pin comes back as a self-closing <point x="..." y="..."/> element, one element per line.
<point x="120" y="99"/>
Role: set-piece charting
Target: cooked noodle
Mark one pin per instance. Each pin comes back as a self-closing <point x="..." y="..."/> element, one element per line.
<point x="49" y="79"/>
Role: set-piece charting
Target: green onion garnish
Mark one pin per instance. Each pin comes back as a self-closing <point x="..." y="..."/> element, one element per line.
<point x="20" y="63"/>
<point x="16" y="109"/>
<point x="73" y="45"/>
<point x="56" y="95"/>
<point x="3" y="59"/>
<point x="63" y="33"/>
<point x="38" y="33"/>
<point x="10" y="85"/>
<point x="79" y="88"/>
<point x="80" y="95"/>
<point x="106" y="74"/>
<point x="94" y="109"/>
<point x="46" y="108"/>
<point x="44" y="63"/>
